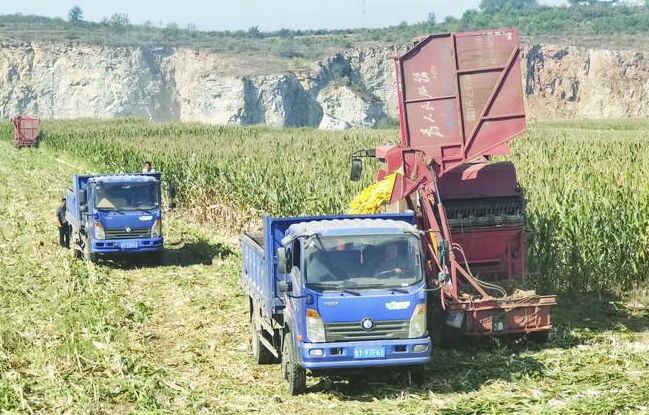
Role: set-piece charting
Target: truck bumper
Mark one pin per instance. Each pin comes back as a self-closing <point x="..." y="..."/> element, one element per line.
<point x="109" y="246"/>
<point x="406" y="352"/>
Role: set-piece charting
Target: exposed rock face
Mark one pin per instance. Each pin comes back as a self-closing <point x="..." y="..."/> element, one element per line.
<point x="569" y="82"/>
<point x="354" y="88"/>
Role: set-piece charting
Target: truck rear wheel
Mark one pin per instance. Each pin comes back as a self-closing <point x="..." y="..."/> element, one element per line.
<point x="294" y="374"/>
<point x="87" y="253"/>
<point x="75" y="249"/>
<point x="75" y="252"/>
<point x="260" y="353"/>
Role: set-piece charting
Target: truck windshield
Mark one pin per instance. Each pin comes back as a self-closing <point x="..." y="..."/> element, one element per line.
<point x="127" y="196"/>
<point x="366" y="261"/>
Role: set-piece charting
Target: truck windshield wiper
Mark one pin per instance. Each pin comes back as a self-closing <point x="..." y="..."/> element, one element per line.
<point x="352" y="292"/>
<point x="342" y="288"/>
<point x="110" y="210"/>
<point x="321" y="286"/>
<point x="332" y="287"/>
<point x="387" y="288"/>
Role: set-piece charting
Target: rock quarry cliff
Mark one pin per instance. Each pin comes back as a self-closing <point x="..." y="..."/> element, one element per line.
<point x="353" y="88"/>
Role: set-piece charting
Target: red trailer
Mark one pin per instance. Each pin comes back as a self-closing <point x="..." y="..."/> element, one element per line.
<point x="26" y="131"/>
<point x="461" y="102"/>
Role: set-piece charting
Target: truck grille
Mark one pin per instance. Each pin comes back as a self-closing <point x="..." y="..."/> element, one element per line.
<point x="121" y="233"/>
<point x="350" y="331"/>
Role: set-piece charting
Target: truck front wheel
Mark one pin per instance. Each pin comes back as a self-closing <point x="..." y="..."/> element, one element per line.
<point x="417" y="375"/>
<point x="441" y="334"/>
<point x="260" y="353"/>
<point x="294" y="374"/>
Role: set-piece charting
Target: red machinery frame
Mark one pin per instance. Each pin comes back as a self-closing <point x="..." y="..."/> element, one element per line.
<point x="461" y="100"/>
<point x="26" y="131"/>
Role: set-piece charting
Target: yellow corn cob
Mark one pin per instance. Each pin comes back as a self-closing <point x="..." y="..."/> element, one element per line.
<point x="374" y="196"/>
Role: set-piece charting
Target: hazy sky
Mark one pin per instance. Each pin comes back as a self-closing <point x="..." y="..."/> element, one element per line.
<point x="268" y="15"/>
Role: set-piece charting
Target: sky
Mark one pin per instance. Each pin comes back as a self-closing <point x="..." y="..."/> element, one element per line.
<point x="267" y="15"/>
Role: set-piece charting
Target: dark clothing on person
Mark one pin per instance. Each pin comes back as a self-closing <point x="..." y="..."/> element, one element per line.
<point x="64" y="235"/>
<point x="64" y="228"/>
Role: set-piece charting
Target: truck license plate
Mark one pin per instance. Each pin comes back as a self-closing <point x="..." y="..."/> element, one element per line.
<point x="368" y="352"/>
<point x="128" y="245"/>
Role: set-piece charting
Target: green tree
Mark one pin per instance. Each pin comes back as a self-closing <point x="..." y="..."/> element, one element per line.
<point x="75" y="14"/>
<point x="171" y="32"/>
<point x="117" y="20"/>
<point x="432" y="19"/>
<point x="254" y="32"/>
<point x="497" y="6"/>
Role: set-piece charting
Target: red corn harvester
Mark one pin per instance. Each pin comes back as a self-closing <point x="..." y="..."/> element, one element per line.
<point x="461" y="102"/>
<point x="26" y="131"/>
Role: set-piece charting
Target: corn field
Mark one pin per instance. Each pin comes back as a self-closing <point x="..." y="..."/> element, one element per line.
<point x="247" y="170"/>
<point x="587" y="183"/>
<point x="587" y="186"/>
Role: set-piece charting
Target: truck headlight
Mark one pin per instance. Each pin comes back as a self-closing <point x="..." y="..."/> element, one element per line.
<point x="156" y="229"/>
<point x="99" y="231"/>
<point x="315" y="330"/>
<point x="418" y="322"/>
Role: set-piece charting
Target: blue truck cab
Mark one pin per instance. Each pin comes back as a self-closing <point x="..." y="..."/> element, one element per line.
<point x="321" y="303"/>
<point x="115" y="213"/>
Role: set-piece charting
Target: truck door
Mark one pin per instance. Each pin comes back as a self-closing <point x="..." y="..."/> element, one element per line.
<point x="294" y="298"/>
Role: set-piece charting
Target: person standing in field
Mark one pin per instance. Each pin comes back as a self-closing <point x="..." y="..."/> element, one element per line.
<point x="64" y="228"/>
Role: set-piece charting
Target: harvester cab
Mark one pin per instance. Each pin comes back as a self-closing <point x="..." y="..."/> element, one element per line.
<point x="461" y="102"/>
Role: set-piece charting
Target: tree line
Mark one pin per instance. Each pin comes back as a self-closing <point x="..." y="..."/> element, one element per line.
<point x="577" y="18"/>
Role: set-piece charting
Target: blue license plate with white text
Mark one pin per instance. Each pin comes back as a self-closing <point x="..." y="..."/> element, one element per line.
<point x="128" y="245"/>
<point x="369" y="352"/>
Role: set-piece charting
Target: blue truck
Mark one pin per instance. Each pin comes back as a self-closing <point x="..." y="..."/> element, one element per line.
<point x="319" y="305"/>
<point x="115" y="214"/>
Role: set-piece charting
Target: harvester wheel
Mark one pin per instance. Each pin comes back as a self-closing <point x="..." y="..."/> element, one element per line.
<point x="540" y="336"/>
<point x="294" y="374"/>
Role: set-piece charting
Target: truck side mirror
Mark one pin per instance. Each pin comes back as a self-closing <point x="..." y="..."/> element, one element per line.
<point x="357" y="168"/>
<point x="281" y="261"/>
<point x="82" y="197"/>
<point x="285" y="286"/>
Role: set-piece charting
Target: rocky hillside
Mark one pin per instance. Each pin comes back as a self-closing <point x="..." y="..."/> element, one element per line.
<point x="351" y="88"/>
